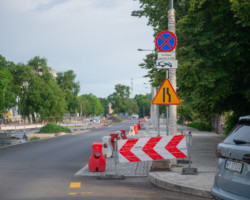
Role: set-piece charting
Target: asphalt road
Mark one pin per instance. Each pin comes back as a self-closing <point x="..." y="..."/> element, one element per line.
<point x="44" y="170"/>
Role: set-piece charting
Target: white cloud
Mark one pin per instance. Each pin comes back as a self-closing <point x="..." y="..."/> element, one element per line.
<point x="97" y="39"/>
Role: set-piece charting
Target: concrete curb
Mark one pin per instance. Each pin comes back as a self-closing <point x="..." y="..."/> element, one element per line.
<point x="178" y="187"/>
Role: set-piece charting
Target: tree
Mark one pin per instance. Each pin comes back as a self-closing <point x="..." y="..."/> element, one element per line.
<point x="213" y="73"/>
<point x="132" y="107"/>
<point x="144" y="103"/>
<point x="39" y="92"/>
<point x="104" y="102"/>
<point x="213" y="68"/>
<point x="119" y="99"/>
<point x="90" y="105"/>
<point x="7" y="95"/>
<point x="66" y="81"/>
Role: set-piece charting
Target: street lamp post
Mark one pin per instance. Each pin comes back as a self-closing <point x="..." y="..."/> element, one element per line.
<point x="154" y="108"/>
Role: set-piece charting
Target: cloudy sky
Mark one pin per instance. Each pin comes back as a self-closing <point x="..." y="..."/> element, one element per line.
<point x="98" y="39"/>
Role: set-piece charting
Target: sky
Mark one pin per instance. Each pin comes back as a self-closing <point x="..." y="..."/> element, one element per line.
<point x="97" y="39"/>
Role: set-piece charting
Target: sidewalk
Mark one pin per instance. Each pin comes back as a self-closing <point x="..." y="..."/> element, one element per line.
<point x="202" y="156"/>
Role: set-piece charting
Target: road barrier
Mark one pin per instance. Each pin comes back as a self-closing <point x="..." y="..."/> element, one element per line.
<point x="136" y="129"/>
<point x="97" y="162"/>
<point x="139" y="126"/>
<point x="123" y="134"/>
<point x="107" y="148"/>
<point x="140" y="149"/>
<point x="153" y="148"/>
<point x="113" y="137"/>
<point x="131" y="131"/>
<point x="20" y="127"/>
<point x="119" y="134"/>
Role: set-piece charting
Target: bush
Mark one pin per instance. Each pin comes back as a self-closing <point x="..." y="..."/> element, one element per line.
<point x="200" y="126"/>
<point x="34" y="138"/>
<point x="52" y="128"/>
<point x="231" y="121"/>
<point x="115" y="119"/>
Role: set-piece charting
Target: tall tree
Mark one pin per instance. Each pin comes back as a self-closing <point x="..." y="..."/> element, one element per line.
<point x="132" y="107"/>
<point x="214" y="59"/>
<point x="104" y="102"/>
<point x="90" y="105"/>
<point x="39" y="94"/>
<point x="119" y="98"/>
<point x="144" y="103"/>
<point x="7" y="94"/>
<point x="66" y="81"/>
<point x="213" y="53"/>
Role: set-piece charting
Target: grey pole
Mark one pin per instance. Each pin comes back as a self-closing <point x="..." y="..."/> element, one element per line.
<point x="158" y="121"/>
<point x="167" y="111"/>
<point x="171" y="4"/>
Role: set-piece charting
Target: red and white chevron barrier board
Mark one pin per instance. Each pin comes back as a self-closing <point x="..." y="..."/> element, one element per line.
<point x="154" y="148"/>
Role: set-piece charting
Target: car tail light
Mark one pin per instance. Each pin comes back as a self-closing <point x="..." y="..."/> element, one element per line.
<point x="218" y="153"/>
<point x="246" y="158"/>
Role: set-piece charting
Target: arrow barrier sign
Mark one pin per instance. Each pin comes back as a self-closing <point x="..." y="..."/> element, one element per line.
<point x="166" y="64"/>
<point x="153" y="148"/>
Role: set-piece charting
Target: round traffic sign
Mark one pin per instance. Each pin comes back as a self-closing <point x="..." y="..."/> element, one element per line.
<point x="166" y="41"/>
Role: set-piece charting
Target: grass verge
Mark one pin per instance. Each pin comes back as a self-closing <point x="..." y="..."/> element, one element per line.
<point x="53" y="128"/>
<point x="34" y="138"/>
<point x="200" y="126"/>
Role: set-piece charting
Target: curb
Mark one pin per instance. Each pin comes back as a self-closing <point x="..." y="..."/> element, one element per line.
<point x="178" y="187"/>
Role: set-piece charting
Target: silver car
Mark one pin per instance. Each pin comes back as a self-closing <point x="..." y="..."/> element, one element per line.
<point x="232" y="180"/>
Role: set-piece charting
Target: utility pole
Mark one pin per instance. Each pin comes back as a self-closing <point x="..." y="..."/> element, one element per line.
<point x="172" y="73"/>
<point x="171" y="111"/>
<point x="172" y="78"/>
<point x="132" y="89"/>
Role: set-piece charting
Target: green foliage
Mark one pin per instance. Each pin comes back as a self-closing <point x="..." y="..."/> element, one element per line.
<point x="156" y="76"/>
<point x="213" y="53"/>
<point x="144" y="104"/>
<point x="66" y="81"/>
<point x="115" y="119"/>
<point x="34" y="138"/>
<point x="231" y="121"/>
<point x="200" y="126"/>
<point x="241" y="12"/>
<point x="120" y="99"/>
<point x="7" y="94"/>
<point x="90" y="105"/>
<point x="40" y="94"/>
<point x="185" y="112"/>
<point x="52" y="128"/>
<point x="104" y="102"/>
<point x="132" y="107"/>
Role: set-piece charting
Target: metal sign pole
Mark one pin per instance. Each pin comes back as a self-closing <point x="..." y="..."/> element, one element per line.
<point x="189" y="170"/>
<point x="167" y="111"/>
<point x="158" y="121"/>
<point x="115" y="175"/>
<point x="115" y="140"/>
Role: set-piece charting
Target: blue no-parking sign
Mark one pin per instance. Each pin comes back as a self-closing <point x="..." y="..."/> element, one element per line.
<point x="166" y="41"/>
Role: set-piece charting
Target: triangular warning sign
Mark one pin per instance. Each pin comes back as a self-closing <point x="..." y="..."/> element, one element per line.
<point x="166" y="95"/>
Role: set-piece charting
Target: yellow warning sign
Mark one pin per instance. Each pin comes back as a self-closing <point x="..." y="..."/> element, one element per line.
<point x="166" y="95"/>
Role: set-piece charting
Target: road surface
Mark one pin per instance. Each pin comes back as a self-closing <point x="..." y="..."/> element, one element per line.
<point x="44" y="170"/>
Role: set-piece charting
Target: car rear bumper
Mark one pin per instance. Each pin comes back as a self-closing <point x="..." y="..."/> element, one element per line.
<point x="218" y="193"/>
